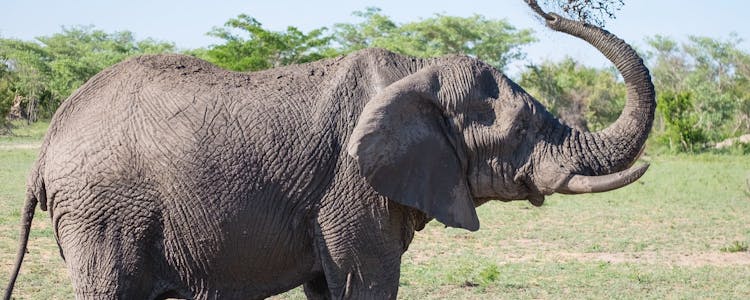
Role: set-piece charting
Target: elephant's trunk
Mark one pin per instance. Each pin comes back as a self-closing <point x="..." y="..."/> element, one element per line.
<point x="616" y="147"/>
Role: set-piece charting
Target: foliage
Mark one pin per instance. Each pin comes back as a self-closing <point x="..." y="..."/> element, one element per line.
<point x="6" y="96"/>
<point x="257" y="48"/>
<point x="493" y="41"/>
<point x="489" y="274"/>
<point x="368" y="33"/>
<point x="262" y="48"/>
<point x="26" y="73"/>
<point x="46" y="71"/>
<point x="584" y="97"/>
<point x="78" y="53"/>
<point x="716" y="75"/>
<point x="681" y="131"/>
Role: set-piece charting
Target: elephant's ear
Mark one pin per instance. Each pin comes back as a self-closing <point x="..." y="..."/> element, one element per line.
<point x="403" y="148"/>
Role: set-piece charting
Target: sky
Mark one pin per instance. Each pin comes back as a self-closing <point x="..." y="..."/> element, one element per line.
<point x="186" y="22"/>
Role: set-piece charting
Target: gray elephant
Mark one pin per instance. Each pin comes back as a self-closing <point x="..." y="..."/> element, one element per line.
<point x="165" y="176"/>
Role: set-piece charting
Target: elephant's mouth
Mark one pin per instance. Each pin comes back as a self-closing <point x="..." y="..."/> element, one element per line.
<point x="534" y="196"/>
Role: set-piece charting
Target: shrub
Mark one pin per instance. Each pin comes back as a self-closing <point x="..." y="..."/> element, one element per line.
<point x="681" y="131"/>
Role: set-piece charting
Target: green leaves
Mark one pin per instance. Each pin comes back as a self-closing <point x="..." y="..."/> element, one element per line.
<point x="681" y="132"/>
<point x="584" y="97"/>
<point x="6" y="94"/>
<point x="46" y="71"/>
<point x="707" y="82"/>
<point x="493" y="41"/>
<point x="374" y="28"/>
<point x="259" y="49"/>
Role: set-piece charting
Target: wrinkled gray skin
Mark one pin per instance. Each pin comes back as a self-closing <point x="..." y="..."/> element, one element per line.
<point x="165" y="176"/>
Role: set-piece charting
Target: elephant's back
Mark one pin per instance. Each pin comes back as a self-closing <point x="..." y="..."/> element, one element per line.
<point x="185" y="94"/>
<point x="169" y="99"/>
<point x="175" y="112"/>
<point x="182" y="126"/>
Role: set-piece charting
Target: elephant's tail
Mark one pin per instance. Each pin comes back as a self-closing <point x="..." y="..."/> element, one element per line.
<point x="33" y="193"/>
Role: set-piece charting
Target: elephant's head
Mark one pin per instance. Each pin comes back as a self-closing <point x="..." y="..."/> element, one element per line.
<point x="458" y="133"/>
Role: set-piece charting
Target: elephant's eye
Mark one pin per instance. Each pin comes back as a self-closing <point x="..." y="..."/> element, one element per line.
<point x="486" y="118"/>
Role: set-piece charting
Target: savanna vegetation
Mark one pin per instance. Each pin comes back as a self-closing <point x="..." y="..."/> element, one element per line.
<point x="703" y="83"/>
<point x="680" y="232"/>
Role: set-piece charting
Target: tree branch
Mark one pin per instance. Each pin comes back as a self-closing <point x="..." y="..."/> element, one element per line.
<point x="534" y="6"/>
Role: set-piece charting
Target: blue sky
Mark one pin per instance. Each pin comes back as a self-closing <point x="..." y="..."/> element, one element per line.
<point x="186" y="22"/>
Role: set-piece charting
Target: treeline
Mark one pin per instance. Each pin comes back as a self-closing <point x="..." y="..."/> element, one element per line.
<point x="703" y="87"/>
<point x="36" y="76"/>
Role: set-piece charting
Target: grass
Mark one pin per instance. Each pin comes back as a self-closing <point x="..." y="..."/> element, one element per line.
<point x="681" y="232"/>
<point x="736" y="246"/>
<point x="23" y="133"/>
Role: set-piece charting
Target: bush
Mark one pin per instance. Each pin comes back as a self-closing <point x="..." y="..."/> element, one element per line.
<point x="681" y="131"/>
<point x="6" y="97"/>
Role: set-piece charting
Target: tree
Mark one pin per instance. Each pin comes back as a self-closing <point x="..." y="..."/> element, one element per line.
<point x="714" y="73"/>
<point x="28" y="74"/>
<point x="248" y="46"/>
<point x="78" y="53"/>
<point x="262" y="48"/>
<point x="681" y="131"/>
<point x="6" y="94"/>
<point x="48" y="70"/>
<point x="358" y="36"/>
<point x="493" y="41"/>
<point x="583" y="97"/>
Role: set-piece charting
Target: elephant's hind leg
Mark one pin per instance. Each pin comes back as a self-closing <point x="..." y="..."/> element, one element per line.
<point x="101" y="268"/>
<point x="110" y="256"/>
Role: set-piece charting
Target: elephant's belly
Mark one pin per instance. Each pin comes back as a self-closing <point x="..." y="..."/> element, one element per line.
<point x="253" y="252"/>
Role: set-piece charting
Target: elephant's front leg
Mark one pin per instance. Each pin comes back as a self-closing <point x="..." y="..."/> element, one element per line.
<point x="360" y="245"/>
<point x="317" y="289"/>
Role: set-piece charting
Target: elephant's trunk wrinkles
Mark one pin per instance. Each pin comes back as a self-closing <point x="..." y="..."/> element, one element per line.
<point x="616" y="147"/>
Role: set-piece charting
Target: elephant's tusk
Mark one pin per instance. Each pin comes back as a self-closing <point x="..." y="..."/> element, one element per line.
<point x="578" y="184"/>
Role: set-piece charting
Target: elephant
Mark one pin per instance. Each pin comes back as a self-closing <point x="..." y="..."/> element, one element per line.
<point x="167" y="177"/>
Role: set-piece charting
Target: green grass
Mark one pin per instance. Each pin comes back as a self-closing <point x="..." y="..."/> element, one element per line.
<point x="665" y="236"/>
<point x="681" y="232"/>
<point x="736" y="246"/>
<point x="22" y="133"/>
